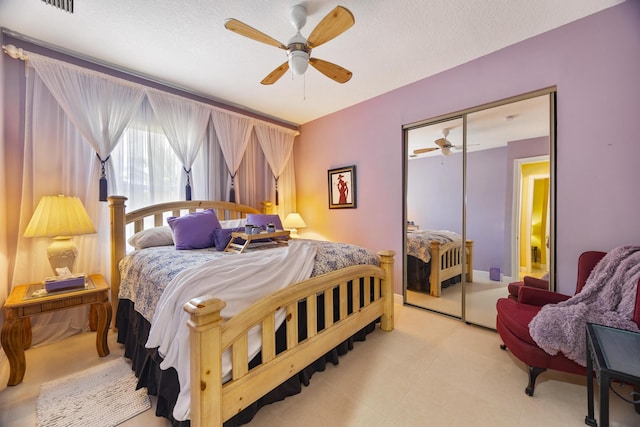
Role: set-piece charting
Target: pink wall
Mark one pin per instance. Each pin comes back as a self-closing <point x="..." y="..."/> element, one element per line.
<point x="595" y="64"/>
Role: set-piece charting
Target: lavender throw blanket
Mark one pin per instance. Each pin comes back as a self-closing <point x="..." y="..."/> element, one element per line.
<point x="608" y="298"/>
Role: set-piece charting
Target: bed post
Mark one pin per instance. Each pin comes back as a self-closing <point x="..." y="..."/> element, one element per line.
<point x="205" y="341"/>
<point x="386" y="262"/>
<point x="435" y="282"/>
<point x="469" y="247"/>
<point x="116" y="208"/>
<point x="267" y="207"/>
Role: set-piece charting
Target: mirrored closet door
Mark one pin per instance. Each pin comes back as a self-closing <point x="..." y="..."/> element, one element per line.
<point x="434" y="213"/>
<point x="479" y="205"/>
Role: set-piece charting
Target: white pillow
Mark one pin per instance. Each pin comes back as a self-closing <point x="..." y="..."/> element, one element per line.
<point x="157" y="236"/>
<point x="233" y="223"/>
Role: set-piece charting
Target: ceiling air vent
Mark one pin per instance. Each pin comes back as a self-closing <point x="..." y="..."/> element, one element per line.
<point x="66" y="5"/>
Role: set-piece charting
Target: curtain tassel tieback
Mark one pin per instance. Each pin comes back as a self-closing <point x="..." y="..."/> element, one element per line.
<point x="103" y="178"/>
<point x="188" y="186"/>
<point x="232" y="190"/>
<point x="276" y="178"/>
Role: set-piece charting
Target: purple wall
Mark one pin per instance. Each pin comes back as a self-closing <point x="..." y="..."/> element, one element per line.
<point x="486" y="199"/>
<point x="434" y="193"/>
<point x="595" y="65"/>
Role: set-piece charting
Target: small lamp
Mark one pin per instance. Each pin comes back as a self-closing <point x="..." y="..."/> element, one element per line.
<point x="292" y="222"/>
<point x="60" y="217"/>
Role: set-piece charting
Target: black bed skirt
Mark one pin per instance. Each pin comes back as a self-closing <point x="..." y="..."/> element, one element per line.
<point x="418" y="273"/>
<point x="133" y="331"/>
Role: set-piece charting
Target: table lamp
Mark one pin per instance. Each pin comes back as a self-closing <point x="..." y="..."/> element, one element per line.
<point x="292" y="222"/>
<point x="60" y="217"/>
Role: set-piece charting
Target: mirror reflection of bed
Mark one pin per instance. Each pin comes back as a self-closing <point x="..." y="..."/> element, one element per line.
<point x="495" y="195"/>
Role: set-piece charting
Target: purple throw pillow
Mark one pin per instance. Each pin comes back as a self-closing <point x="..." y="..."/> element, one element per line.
<point x="261" y="220"/>
<point x="222" y="236"/>
<point x="194" y="230"/>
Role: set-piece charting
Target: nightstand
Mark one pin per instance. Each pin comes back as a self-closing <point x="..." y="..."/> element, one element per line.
<point x="25" y="301"/>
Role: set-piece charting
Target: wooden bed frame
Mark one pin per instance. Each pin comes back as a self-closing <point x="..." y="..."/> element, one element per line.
<point x="446" y="262"/>
<point x="212" y="402"/>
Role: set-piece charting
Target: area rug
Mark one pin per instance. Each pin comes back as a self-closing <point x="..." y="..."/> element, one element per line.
<point x="102" y="396"/>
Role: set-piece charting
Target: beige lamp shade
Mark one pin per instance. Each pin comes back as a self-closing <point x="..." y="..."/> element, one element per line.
<point x="292" y="222"/>
<point x="60" y="217"/>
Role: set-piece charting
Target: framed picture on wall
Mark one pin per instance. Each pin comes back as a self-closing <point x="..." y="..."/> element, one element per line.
<point x="342" y="187"/>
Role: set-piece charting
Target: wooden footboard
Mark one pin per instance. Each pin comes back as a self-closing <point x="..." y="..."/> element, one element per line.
<point x="369" y="288"/>
<point x="212" y="402"/>
<point x="446" y="262"/>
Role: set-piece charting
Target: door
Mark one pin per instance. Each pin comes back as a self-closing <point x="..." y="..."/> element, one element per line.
<point x="433" y="208"/>
<point x="508" y="154"/>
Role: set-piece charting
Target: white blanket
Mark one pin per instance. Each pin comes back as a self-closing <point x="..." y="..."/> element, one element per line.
<point x="239" y="280"/>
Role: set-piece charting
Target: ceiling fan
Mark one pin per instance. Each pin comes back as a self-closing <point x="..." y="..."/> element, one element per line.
<point x="444" y="145"/>
<point x="298" y="48"/>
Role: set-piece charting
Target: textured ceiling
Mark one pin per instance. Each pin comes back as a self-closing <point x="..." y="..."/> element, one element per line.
<point x="393" y="43"/>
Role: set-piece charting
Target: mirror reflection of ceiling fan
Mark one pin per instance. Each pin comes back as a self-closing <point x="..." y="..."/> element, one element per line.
<point x="443" y="144"/>
<point x="339" y="20"/>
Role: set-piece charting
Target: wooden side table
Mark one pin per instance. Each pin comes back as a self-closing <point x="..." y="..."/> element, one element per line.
<point x="239" y="248"/>
<point x="23" y="303"/>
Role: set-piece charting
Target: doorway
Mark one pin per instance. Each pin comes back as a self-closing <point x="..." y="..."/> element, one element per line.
<point x="532" y="201"/>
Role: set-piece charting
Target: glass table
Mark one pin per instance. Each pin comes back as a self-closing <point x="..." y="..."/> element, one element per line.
<point x="614" y="355"/>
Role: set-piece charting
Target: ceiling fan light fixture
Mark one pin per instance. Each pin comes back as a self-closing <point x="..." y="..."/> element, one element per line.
<point x="298" y="62"/>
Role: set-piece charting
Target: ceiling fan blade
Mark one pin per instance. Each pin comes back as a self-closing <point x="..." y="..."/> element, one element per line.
<point x="335" y="23"/>
<point x="248" y="31"/>
<point x="424" y="150"/>
<point x="333" y="71"/>
<point x="442" y="142"/>
<point x="275" y="74"/>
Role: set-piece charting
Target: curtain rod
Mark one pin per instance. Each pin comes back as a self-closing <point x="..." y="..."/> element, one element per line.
<point x="45" y="48"/>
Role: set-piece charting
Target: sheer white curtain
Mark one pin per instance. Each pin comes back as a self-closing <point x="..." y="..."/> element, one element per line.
<point x="63" y="133"/>
<point x="146" y="168"/>
<point x="255" y="175"/>
<point x="277" y="145"/>
<point x="216" y="177"/>
<point x="184" y="122"/>
<point x="233" y="133"/>
<point x="100" y="106"/>
<point x="56" y="161"/>
<point x="287" y="187"/>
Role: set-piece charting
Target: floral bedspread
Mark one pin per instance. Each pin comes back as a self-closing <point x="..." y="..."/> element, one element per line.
<point x="146" y="272"/>
<point x="419" y="242"/>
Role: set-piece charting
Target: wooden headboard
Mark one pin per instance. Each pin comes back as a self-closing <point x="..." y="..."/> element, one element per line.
<point x="120" y="219"/>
